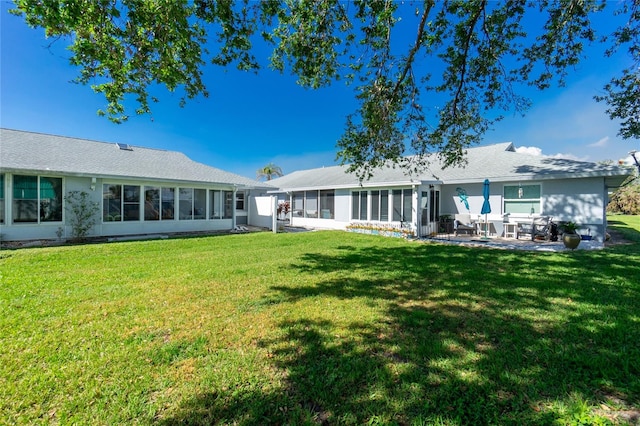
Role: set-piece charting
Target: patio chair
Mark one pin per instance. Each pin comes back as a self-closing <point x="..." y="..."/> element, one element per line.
<point x="541" y="227"/>
<point x="462" y="223"/>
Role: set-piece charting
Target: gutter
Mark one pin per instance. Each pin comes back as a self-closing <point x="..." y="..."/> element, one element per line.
<point x="411" y="183"/>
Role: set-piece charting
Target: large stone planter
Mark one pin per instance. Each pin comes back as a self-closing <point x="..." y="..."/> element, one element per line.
<point x="571" y="241"/>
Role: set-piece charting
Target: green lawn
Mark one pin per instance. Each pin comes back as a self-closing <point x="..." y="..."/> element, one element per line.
<point x="321" y="327"/>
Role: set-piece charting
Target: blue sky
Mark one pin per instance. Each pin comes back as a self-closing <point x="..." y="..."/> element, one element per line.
<point x="250" y="120"/>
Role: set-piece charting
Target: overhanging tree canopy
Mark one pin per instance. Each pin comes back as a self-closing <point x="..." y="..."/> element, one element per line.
<point x="429" y="76"/>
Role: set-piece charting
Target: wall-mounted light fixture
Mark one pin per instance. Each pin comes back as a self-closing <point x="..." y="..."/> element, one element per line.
<point x="520" y="191"/>
<point x="93" y="184"/>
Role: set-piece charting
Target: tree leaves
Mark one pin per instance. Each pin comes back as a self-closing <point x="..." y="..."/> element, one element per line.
<point x="437" y="88"/>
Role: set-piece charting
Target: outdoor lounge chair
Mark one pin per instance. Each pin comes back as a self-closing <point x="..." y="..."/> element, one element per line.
<point x="462" y="225"/>
<point x="541" y="227"/>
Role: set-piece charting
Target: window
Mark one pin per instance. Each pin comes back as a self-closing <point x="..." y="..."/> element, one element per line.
<point x="1" y="198"/>
<point x="199" y="204"/>
<point x="111" y="203"/>
<point x="131" y="203"/>
<point x="407" y="205"/>
<point x="402" y="205"/>
<point x="297" y="209"/>
<point x="151" y="203"/>
<point x="380" y="205"/>
<point x="355" y="205"/>
<point x="311" y="204"/>
<point x="359" y="202"/>
<point x="215" y="204"/>
<point x="185" y="204"/>
<point x="397" y="205"/>
<point x="36" y="199"/>
<point x="375" y="205"/>
<point x="168" y="203"/>
<point x="522" y="199"/>
<point x="327" y="204"/>
<point x="239" y="200"/>
<point x="384" y="205"/>
<point x="120" y="202"/>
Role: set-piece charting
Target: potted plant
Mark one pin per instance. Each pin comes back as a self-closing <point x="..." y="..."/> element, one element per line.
<point x="570" y="237"/>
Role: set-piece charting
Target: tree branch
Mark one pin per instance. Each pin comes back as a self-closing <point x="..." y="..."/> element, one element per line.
<point x="414" y="49"/>
<point x="467" y="45"/>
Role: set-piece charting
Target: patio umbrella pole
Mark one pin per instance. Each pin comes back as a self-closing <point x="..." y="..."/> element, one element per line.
<point x="486" y="207"/>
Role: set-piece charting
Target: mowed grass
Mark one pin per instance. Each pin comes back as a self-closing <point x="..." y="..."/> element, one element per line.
<point x="319" y="328"/>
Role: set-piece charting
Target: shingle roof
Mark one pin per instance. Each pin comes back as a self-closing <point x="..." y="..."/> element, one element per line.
<point x="36" y="152"/>
<point x="498" y="163"/>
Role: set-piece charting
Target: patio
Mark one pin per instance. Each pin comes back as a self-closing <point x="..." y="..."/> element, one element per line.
<point x="511" y="243"/>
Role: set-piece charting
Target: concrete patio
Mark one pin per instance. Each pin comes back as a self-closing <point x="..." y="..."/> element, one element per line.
<point x="511" y="243"/>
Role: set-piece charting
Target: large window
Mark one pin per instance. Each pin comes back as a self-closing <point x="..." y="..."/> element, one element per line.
<point x="193" y="204"/>
<point x="407" y="204"/>
<point x="131" y="202"/>
<point x="185" y="204"/>
<point x="311" y="204"/>
<point x="297" y="208"/>
<point x="397" y="205"/>
<point x="215" y="204"/>
<point x="120" y="203"/>
<point x="168" y="202"/>
<point x="36" y="199"/>
<point x="375" y="205"/>
<point x="359" y="203"/>
<point x="522" y="199"/>
<point x="111" y="203"/>
<point x="151" y="203"/>
<point x="327" y="204"/>
<point x="384" y="205"/>
<point x="220" y="204"/>
<point x="402" y="205"/>
<point x="380" y="205"/>
<point x="199" y="204"/>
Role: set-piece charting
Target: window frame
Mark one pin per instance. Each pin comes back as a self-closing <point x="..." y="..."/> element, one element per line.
<point x="240" y="201"/>
<point x="130" y="207"/>
<point x="40" y="202"/>
<point x="528" y="198"/>
<point x="360" y="205"/>
<point x="327" y="204"/>
<point x="311" y="204"/>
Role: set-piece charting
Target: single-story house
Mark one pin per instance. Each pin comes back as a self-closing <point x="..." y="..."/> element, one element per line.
<point x="138" y="190"/>
<point x="148" y="191"/>
<point x="521" y="187"/>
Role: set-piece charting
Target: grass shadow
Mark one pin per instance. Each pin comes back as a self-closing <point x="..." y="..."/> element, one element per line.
<point x="463" y="336"/>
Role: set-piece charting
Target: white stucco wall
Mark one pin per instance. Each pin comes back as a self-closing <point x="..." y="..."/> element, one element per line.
<point x="31" y="231"/>
<point x="579" y="200"/>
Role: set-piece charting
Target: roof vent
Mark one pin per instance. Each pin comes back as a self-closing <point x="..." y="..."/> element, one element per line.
<point x="124" y="146"/>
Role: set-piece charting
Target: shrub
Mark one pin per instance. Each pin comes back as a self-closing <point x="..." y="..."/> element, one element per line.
<point x="82" y="213"/>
